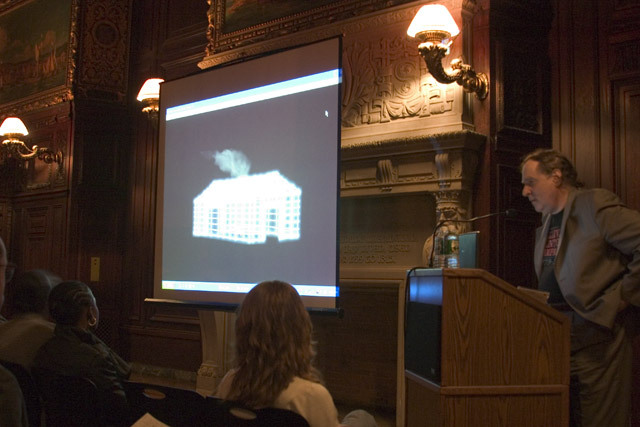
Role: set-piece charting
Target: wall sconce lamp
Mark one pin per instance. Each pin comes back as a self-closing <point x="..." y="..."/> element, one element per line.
<point x="12" y="129"/>
<point x="435" y="28"/>
<point x="149" y="95"/>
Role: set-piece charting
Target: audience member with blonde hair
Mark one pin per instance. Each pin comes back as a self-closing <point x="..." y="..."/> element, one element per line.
<point x="274" y="359"/>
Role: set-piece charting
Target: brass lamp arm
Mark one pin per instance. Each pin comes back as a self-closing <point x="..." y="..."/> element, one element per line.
<point x="465" y="76"/>
<point x="20" y="149"/>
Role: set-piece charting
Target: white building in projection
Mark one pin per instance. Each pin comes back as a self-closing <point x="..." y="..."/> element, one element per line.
<point x="248" y="208"/>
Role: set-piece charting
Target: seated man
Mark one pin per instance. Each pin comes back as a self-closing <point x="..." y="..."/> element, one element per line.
<point x="28" y="329"/>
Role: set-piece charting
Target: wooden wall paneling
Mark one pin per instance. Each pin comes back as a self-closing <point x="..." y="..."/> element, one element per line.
<point x="605" y="130"/>
<point x="36" y="218"/>
<point x="142" y="163"/>
<point x="627" y="112"/>
<point x="39" y="233"/>
<point x="163" y="347"/>
<point x="516" y="236"/>
<point x="518" y="120"/>
<point x="581" y="118"/>
<point x="561" y="42"/>
<point x="185" y="40"/>
<point x="622" y="71"/>
<point x="168" y="39"/>
<point x="5" y="221"/>
<point x="97" y="205"/>
<point x="138" y="262"/>
<point x="357" y="354"/>
<point x="586" y="104"/>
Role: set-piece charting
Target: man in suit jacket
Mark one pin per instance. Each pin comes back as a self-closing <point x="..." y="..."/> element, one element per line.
<point x="587" y="256"/>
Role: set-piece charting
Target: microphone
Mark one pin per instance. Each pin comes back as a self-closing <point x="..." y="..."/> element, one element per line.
<point x="509" y="213"/>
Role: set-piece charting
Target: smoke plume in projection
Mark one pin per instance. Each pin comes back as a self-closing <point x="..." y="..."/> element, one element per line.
<point x="234" y="162"/>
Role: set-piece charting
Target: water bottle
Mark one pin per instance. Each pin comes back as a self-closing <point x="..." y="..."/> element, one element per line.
<point x="452" y="250"/>
<point x="439" y="260"/>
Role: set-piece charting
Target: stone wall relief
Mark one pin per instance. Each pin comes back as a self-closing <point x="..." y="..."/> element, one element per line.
<point x="383" y="83"/>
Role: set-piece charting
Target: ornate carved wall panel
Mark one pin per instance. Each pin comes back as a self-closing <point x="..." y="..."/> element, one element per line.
<point x="104" y="48"/>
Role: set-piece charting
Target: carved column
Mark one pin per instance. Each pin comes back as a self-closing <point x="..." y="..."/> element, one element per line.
<point x="453" y="199"/>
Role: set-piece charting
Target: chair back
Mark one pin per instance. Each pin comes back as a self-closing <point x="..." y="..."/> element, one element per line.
<point x="232" y="414"/>
<point x="170" y="405"/>
<point x="69" y="401"/>
<point x="29" y="390"/>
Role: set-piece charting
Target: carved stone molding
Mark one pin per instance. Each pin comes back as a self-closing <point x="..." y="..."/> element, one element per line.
<point x="387" y="91"/>
<point x="443" y="165"/>
<point x="433" y="163"/>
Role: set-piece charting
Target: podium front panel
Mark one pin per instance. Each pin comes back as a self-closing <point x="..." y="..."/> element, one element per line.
<point x="423" y="324"/>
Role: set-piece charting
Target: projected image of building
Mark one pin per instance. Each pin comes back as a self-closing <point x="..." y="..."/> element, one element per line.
<point x="249" y="208"/>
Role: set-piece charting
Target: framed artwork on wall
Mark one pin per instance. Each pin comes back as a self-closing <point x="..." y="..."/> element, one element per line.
<point x="242" y="25"/>
<point x="37" y="49"/>
<point x="240" y="14"/>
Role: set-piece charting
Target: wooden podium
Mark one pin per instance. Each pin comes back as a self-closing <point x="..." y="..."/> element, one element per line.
<point x="479" y="352"/>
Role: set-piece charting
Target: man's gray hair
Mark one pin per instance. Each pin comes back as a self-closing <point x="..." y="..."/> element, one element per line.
<point x="550" y="160"/>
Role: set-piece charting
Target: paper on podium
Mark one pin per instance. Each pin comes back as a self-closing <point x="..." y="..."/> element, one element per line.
<point x="148" y="420"/>
<point x="541" y="296"/>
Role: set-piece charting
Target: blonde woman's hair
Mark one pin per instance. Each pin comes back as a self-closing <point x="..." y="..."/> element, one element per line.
<point x="273" y="344"/>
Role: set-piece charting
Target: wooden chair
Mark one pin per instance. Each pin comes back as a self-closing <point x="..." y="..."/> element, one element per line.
<point x="29" y="389"/>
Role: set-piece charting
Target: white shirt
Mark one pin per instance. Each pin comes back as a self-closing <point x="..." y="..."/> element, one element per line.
<point x="311" y="400"/>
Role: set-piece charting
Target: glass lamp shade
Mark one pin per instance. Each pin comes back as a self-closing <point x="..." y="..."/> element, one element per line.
<point x="150" y="89"/>
<point x="13" y="126"/>
<point x="433" y="19"/>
